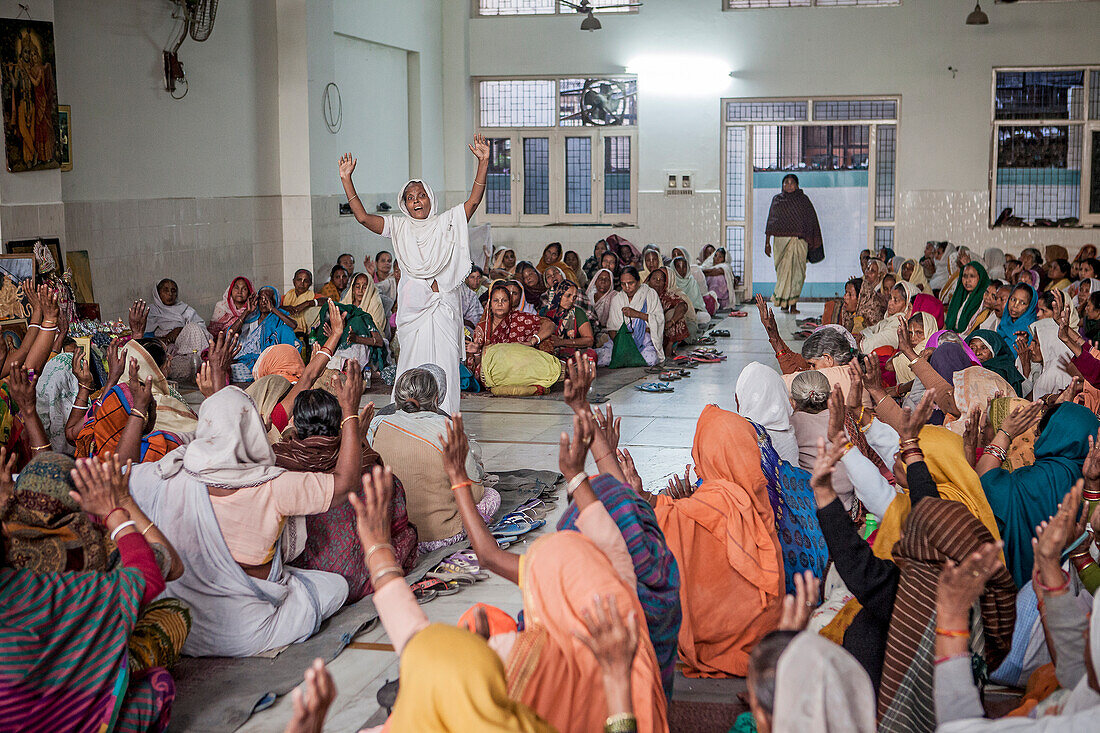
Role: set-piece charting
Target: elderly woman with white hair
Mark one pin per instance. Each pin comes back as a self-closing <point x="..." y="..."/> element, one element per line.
<point x="408" y="438"/>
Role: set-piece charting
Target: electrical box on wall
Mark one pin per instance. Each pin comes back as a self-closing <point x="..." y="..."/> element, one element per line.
<point x="680" y="183"/>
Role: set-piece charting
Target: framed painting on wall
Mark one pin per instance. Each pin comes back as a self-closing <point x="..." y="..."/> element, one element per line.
<point x="64" y="121"/>
<point x="26" y="247"/>
<point x="32" y="136"/>
<point x="13" y="331"/>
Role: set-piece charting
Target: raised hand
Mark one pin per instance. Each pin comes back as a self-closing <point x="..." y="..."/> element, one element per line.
<point x="1071" y="393"/>
<point x="1052" y="536"/>
<point x="81" y="370"/>
<point x="961" y="585"/>
<point x="1022" y="419"/>
<point x="207" y="382"/>
<point x="372" y="512"/>
<point x="138" y="316"/>
<point x="1023" y="346"/>
<point x="21" y="384"/>
<point x="971" y="436"/>
<point x="870" y="372"/>
<point x="336" y="319"/>
<point x="580" y="371"/>
<point x="369" y="265"/>
<point x="798" y="608"/>
<point x="626" y="461"/>
<point x="821" y="479"/>
<point x="680" y="488"/>
<point x="311" y="706"/>
<point x="349" y="387"/>
<point x="854" y="400"/>
<point x="116" y="363"/>
<point x="30" y="292"/>
<point x="142" y="391"/>
<point x="836" y="432"/>
<point x="456" y="447"/>
<point x="480" y="148"/>
<point x="913" y="420"/>
<point x="1091" y="468"/>
<point x="609" y="425"/>
<point x="7" y="468"/>
<point x="611" y="639"/>
<point x="573" y="452"/>
<point x="50" y="309"/>
<point x="100" y="485"/>
<point x="347" y="165"/>
<point x="365" y="417"/>
<point x="767" y="318"/>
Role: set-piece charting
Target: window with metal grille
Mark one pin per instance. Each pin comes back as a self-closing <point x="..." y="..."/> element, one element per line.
<point x="735" y="173"/>
<point x="735" y="250"/>
<point x="810" y="147"/>
<point x="546" y="7"/>
<point x="1044" y="123"/>
<point x="886" y="155"/>
<point x="575" y="142"/>
<point x="765" y="111"/>
<point x="884" y="237"/>
<point x="749" y="4"/>
<point x="856" y="109"/>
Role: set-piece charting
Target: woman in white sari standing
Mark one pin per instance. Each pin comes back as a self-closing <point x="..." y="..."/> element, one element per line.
<point x="433" y="250"/>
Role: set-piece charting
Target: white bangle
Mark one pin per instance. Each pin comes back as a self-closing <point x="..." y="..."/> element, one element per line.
<point x="537" y="340"/>
<point x="574" y="482"/>
<point x="51" y="328"/>
<point x="323" y="351"/>
<point x="119" y="528"/>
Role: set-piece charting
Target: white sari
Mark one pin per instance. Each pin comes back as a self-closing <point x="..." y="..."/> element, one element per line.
<point x="429" y="323"/>
<point x="645" y="299"/>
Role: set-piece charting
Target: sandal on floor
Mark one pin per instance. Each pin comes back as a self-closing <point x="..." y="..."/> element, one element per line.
<point x="448" y="576"/>
<point x="654" y="370"/>
<point x="434" y="585"/>
<point x="738" y="314"/>
<point x="654" y="387"/>
<point x="721" y="333"/>
<point x="510" y="528"/>
<point x="422" y="595"/>
<point x="707" y="359"/>
<point x="670" y="376"/>
<point x="454" y="570"/>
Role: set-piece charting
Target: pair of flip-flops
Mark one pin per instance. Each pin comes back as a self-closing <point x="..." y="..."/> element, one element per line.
<point x="427" y="590"/>
<point x="654" y="387"/>
<point x="719" y="333"/>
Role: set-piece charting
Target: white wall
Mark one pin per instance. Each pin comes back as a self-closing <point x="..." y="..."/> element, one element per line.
<point x="944" y="135"/>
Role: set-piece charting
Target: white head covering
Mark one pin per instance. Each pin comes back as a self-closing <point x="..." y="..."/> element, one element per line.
<point x="1056" y="356"/>
<point x="820" y="687"/>
<point x="601" y="305"/>
<point x="995" y="263"/>
<point x="164" y="318"/>
<point x="371" y="302"/>
<point x="436" y="248"/>
<point x="230" y="448"/>
<point x="762" y="397"/>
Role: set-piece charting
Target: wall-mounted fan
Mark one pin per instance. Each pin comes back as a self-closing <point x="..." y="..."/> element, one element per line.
<point x="600" y="102"/>
<point x="196" y="17"/>
<point x="591" y="22"/>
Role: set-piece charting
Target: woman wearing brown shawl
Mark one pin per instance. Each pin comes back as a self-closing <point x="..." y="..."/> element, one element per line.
<point x="676" y="328"/>
<point x="871" y="303"/>
<point x="331" y="541"/>
<point x="792" y="224"/>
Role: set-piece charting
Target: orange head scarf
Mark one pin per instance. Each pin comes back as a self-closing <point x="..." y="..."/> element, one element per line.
<point x="553" y="671"/>
<point x="281" y="359"/>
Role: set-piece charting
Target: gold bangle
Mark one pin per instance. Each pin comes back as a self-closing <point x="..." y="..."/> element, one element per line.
<point x="353" y="198"/>
<point x="885" y="396"/>
<point x="349" y="417"/>
<point x="146" y="529"/>
<point x="90" y="388"/>
<point x="41" y="447"/>
<point x="479" y="182"/>
<point x="138" y="413"/>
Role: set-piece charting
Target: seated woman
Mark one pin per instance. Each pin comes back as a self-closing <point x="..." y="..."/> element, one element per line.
<point x="573" y="261"/>
<point x="552" y="277"/>
<point x="149" y="357"/>
<point x="410" y="438"/>
<point x="519" y="299"/>
<point x="502" y="353"/>
<point x="551" y="257"/>
<point x="871" y="302"/>
<point x="56" y="396"/>
<point x="67" y="659"/>
<point x="627" y="254"/>
<point x="533" y="288"/>
<point x="594" y="262"/>
<point x="885" y="332"/>
<point x="572" y="331"/>
<point x="600" y="292"/>
<point x="720" y="278"/>
<point x="964" y="310"/>
<point x="236" y="302"/>
<point x="229" y="512"/>
<point x="651" y="261"/>
<point x="178" y="326"/>
<point x="683" y="281"/>
<point x="639" y="307"/>
<point x="677" y="311"/>
<point x="1020" y="312"/>
<point x="723" y="534"/>
<point x="301" y="302"/>
<point x="710" y="300"/>
<point x="504" y="264"/>
<point x="363" y="294"/>
<point x="995" y="356"/>
<point x="124" y="422"/>
<point x="362" y="338"/>
<point x="331" y="542"/>
<point x="275" y="398"/>
<point x="267" y="325"/>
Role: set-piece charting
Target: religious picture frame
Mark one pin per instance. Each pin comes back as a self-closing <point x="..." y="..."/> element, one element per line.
<point x="26" y="247"/>
<point x="13" y="331"/>
<point x="28" y="83"/>
<point x="14" y="269"/>
<point x="64" y="121"/>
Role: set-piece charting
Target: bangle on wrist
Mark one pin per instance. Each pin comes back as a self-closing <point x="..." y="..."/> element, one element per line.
<point x="949" y="657"/>
<point x="461" y="485"/>
<point x="324" y="351"/>
<point x="375" y="548"/>
<point x="118" y="530"/>
<point x="134" y="412"/>
<point x="387" y="570"/>
<point x="953" y="633"/>
<point x="79" y="407"/>
<point x="574" y="482"/>
<point x="116" y="509"/>
<point x="88" y="387"/>
<point x="349" y="417"/>
<point x="1057" y="588"/>
<point x="1007" y="434"/>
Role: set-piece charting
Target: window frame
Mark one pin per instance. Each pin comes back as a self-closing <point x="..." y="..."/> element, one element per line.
<point x="475" y="12"/>
<point x="747" y="222"/>
<point x="1086" y="124"/>
<point x="813" y="4"/>
<point x="557" y="134"/>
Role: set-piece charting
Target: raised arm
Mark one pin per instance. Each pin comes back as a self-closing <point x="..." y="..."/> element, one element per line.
<point x="371" y="221"/>
<point x="21" y="383"/>
<point x="129" y="443"/>
<point x="43" y="343"/>
<point x="455" y="448"/>
<point x="348" y="471"/>
<point x="580" y="371"/>
<point x="34" y="327"/>
<point x="79" y="413"/>
<point x="480" y="149"/>
<point x="334" y="329"/>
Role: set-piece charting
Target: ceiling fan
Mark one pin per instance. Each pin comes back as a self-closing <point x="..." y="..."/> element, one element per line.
<point x="591" y="22"/>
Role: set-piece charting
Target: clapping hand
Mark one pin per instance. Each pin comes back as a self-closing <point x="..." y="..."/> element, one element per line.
<point x="1022" y="419"/>
<point x="573" y="452"/>
<point x="372" y="512"/>
<point x="311" y="706"/>
<point x="961" y="585"/>
<point x="680" y="488"/>
<point x="21" y="384"/>
<point x="612" y="639"/>
<point x="626" y="462"/>
<point x="912" y="421"/>
<point x="580" y="371"/>
<point x="456" y="447"/>
<point x="138" y="316"/>
<point x="609" y="425"/>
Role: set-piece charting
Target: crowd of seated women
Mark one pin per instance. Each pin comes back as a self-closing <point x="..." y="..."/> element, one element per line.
<point x="875" y="532"/>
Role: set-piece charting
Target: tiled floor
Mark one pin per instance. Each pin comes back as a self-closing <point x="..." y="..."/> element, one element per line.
<point x="516" y="433"/>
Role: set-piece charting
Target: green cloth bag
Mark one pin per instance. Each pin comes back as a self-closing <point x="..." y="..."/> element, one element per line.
<point x="625" y="353"/>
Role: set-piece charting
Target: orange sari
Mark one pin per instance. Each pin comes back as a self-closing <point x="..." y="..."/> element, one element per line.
<point x="724" y="540"/>
<point x="553" y="672"/>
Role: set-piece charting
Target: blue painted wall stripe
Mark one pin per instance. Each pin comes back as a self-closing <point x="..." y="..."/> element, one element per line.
<point x="812" y="179"/>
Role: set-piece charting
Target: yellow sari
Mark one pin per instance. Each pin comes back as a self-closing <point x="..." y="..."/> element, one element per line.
<point x="307" y="319"/>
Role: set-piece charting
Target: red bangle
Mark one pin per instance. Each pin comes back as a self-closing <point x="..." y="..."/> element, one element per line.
<point x="605" y="455"/>
<point x="1056" y="589"/>
<point x="461" y="485"/>
<point x="953" y="633"/>
<point x="116" y="509"/>
<point x="949" y="657"/>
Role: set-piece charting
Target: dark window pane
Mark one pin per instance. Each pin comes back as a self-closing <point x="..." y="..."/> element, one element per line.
<point x="1039" y="95"/>
<point x="578" y="175"/>
<point x="536" y="175"/>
